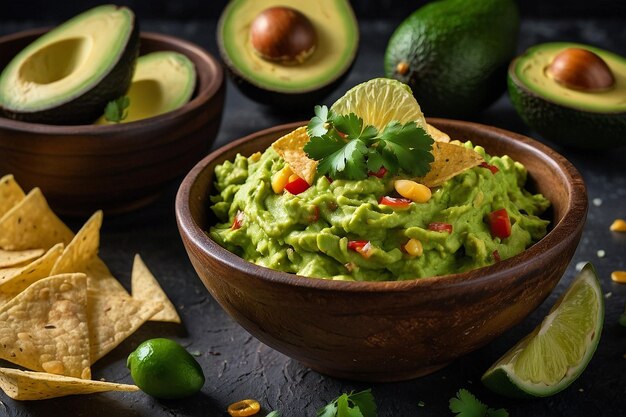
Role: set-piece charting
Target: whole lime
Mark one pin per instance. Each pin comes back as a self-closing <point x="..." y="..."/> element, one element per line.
<point x="164" y="369"/>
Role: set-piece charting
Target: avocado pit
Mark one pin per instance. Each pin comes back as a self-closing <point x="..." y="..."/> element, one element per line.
<point x="282" y="34"/>
<point x="581" y="69"/>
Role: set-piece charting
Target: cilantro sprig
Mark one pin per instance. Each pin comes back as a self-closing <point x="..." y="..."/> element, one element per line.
<point x="466" y="405"/>
<point x="345" y="148"/>
<point x="360" y="404"/>
<point x="117" y="110"/>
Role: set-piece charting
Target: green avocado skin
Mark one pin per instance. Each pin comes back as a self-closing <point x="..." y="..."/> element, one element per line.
<point x="564" y="125"/>
<point x="86" y="108"/>
<point x="457" y="52"/>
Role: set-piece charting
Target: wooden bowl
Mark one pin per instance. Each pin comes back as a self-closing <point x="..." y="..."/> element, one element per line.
<point x="114" y="167"/>
<point x="386" y="331"/>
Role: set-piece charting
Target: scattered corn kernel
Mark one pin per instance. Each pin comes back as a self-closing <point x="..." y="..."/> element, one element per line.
<point x="601" y="253"/>
<point x="619" y="276"/>
<point x="416" y="192"/>
<point x="618" y="225"/>
<point x="244" y="408"/>
<point x="280" y="179"/>
<point x="414" y="247"/>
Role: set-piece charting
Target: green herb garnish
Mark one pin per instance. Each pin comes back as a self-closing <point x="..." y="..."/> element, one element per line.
<point x="360" y="404"/>
<point x="466" y="405"/>
<point x="347" y="149"/>
<point x="117" y="110"/>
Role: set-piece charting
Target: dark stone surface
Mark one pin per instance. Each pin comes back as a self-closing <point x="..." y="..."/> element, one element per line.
<point x="237" y="366"/>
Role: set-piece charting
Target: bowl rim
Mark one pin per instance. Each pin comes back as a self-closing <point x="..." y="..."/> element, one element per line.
<point x="551" y="245"/>
<point x="215" y="77"/>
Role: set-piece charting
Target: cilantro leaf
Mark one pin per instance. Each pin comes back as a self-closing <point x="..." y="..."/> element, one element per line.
<point x="318" y="126"/>
<point x="364" y="400"/>
<point x="467" y="405"/>
<point x="360" y="404"/>
<point x="117" y="110"/>
<point x="410" y="145"/>
<point x="349" y="160"/>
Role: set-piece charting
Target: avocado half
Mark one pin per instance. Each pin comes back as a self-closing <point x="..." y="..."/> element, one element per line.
<point x="68" y="75"/>
<point x="163" y="81"/>
<point x="289" y="85"/>
<point x="592" y="119"/>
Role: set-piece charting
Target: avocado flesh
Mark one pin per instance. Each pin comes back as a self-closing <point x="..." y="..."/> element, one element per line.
<point x="573" y="118"/>
<point x="284" y="84"/>
<point x="456" y="52"/>
<point x="68" y="75"/>
<point x="163" y="81"/>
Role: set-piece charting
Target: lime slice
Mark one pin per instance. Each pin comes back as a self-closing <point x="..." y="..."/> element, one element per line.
<point x="380" y="101"/>
<point x="558" y="350"/>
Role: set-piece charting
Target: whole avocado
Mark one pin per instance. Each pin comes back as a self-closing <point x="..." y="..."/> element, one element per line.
<point x="454" y="54"/>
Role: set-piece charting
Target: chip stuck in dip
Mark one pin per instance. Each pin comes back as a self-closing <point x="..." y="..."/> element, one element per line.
<point x="353" y="197"/>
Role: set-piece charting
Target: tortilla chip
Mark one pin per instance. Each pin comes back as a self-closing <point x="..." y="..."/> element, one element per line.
<point x="291" y="148"/>
<point x="10" y="194"/>
<point x="436" y="134"/>
<point x="99" y="278"/>
<point x="27" y="385"/>
<point x="450" y="160"/>
<point x="82" y="249"/>
<point x="10" y="258"/>
<point x="44" y="328"/>
<point x="14" y="281"/>
<point x="31" y="224"/>
<point x="112" y="318"/>
<point x="145" y="287"/>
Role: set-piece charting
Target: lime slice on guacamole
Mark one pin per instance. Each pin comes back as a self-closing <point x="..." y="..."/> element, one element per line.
<point x="379" y="101"/>
<point x="558" y="350"/>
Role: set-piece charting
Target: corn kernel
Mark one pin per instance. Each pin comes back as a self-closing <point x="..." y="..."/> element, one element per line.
<point x="618" y="225"/>
<point x="414" y="247"/>
<point x="280" y="179"/>
<point x="255" y="157"/>
<point x="416" y="192"/>
<point x="619" y="276"/>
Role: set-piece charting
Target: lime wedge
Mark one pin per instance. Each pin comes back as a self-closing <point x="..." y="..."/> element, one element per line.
<point x="551" y="357"/>
<point x="380" y="101"/>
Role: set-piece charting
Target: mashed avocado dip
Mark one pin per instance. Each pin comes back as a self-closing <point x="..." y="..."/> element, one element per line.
<point x="338" y="230"/>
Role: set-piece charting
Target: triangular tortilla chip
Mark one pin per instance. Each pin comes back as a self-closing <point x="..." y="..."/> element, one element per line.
<point x="9" y="258"/>
<point x="83" y="247"/>
<point x="31" y="224"/>
<point x="27" y="385"/>
<point x="112" y="318"/>
<point x="450" y="160"/>
<point x="81" y="255"/>
<point x="99" y="278"/>
<point x="291" y="148"/>
<point x="10" y="194"/>
<point x="44" y="328"/>
<point x="12" y="284"/>
<point x="145" y="287"/>
<point x="436" y="134"/>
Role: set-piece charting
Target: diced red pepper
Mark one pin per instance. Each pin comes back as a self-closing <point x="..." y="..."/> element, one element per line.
<point x="297" y="186"/>
<point x="380" y="173"/>
<point x="490" y="167"/>
<point x="361" y="246"/>
<point x="499" y="223"/>
<point x="496" y="255"/>
<point x="440" y="227"/>
<point x="394" y="202"/>
<point x="237" y="220"/>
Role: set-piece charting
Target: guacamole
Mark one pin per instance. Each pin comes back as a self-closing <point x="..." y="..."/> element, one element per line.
<point x="322" y="231"/>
